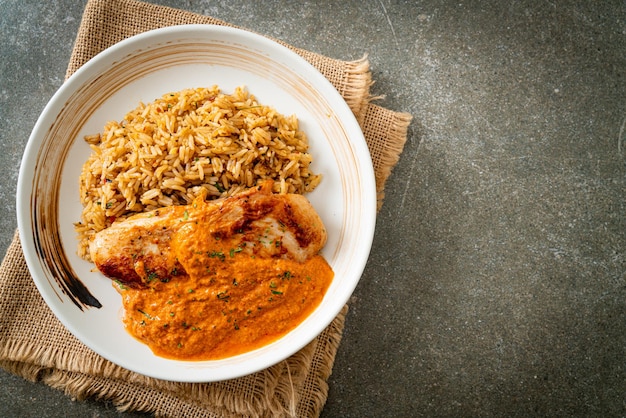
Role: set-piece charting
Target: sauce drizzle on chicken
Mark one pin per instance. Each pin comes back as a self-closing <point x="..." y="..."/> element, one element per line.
<point x="218" y="278"/>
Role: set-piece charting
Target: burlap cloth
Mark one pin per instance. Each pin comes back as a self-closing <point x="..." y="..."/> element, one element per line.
<point x="34" y="344"/>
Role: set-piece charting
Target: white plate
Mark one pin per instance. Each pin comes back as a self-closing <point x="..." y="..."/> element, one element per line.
<point x="143" y="68"/>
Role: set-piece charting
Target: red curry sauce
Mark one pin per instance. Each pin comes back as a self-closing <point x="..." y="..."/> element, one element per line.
<point x="228" y="304"/>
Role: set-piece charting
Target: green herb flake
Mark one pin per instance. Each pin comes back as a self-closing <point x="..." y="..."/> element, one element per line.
<point x="217" y="254"/>
<point x="223" y="296"/>
<point x="121" y="285"/>
<point x="145" y="314"/>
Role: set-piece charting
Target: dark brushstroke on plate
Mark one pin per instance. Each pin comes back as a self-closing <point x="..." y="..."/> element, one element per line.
<point x="50" y="251"/>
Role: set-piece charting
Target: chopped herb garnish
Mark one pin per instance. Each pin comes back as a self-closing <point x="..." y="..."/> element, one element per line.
<point x="121" y="285"/>
<point x="217" y="254"/>
<point x="223" y="296"/>
<point x="146" y="314"/>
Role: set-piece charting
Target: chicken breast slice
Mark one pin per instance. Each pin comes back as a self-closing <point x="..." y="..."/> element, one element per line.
<point x="256" y="223"/>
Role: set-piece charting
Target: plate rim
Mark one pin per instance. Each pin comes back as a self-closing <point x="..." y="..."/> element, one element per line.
<point x="125" y="48"/>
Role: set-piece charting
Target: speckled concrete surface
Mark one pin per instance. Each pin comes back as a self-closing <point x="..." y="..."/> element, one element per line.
<point x="497" y="281"/>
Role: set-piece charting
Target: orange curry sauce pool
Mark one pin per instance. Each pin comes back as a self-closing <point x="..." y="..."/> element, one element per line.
<point x="230" y="304"/>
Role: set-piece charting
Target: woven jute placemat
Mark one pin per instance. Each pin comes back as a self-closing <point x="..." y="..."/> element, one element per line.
<point x="36" y="346"/>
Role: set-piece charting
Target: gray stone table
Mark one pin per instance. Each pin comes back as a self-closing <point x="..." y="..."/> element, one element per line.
<point x="497" y="281"/>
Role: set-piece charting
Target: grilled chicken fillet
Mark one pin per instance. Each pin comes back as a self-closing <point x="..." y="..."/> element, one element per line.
<point x="159" y="244"/>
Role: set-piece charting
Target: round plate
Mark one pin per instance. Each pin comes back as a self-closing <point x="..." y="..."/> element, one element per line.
<point x="143" y="68"/>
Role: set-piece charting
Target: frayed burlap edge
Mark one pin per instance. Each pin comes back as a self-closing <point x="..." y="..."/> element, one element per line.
<point x="324" y="358"/>
<point x="385" y="134"/>
<point x="391" y="156"/>
<point x="359" y="78"/>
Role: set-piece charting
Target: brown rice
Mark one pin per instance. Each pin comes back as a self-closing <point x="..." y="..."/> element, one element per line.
<point x="187" y="143"/>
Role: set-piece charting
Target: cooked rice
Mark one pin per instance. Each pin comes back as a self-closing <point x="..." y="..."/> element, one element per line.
<point x="188" y="143"/>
